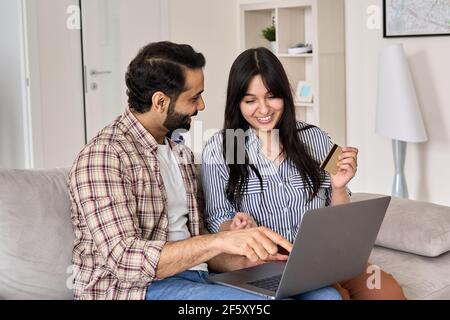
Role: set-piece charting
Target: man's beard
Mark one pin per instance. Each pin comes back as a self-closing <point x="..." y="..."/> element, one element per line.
<point x="177" y="121"/>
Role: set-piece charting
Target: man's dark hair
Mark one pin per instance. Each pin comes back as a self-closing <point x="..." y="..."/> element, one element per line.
<point x="159" y="66"/>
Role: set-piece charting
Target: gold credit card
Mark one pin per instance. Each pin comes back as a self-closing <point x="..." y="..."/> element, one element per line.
<point x="331" y="160"/>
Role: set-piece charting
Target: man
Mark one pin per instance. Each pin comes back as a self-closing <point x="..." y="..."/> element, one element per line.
<point x="134" y="210"/>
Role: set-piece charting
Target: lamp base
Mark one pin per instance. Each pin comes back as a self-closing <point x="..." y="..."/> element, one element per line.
<point x="399" y="188"/>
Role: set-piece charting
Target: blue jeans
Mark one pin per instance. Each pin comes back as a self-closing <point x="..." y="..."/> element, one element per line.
<point x="195" y="285"/>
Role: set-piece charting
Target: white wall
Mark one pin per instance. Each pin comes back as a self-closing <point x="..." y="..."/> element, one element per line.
<point x="56" y="83"/>
<point x="427" y="165"/>
<point x="210" y="26"/>
<point x="12" y="84"/>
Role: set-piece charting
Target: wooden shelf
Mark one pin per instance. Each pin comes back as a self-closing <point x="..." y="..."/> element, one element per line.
<point x="302" y="55"/>
<point x="304" y="104"/>
<point x="320" y="23"/>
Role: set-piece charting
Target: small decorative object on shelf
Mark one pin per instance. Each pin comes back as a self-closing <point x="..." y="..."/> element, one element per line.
<point x="304" y="92"/>
<point x="300" y="48"/>
<point x="269" y="34"/>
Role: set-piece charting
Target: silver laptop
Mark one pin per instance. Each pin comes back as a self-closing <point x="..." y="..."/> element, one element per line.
<point x="333" y="244"/>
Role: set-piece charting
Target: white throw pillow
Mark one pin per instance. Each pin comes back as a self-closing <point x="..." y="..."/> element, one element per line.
<point x="413" y="226"/>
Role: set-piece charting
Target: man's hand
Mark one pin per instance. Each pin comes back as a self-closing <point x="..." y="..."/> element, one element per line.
<point x="240" y="221"/>
<point x="257" y="244"/>
<point x="227" y="262"/>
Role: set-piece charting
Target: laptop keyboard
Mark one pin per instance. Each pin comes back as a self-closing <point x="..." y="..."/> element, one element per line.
<point x="270" y="283"/>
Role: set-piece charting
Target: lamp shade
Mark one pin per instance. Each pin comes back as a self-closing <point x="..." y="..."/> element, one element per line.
<point x="398" y="114"/>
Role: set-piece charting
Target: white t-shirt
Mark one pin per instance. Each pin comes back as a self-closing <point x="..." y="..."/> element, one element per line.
<point x="177" y="208"/>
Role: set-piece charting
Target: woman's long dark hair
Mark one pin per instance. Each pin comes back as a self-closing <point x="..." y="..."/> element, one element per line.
<point x="263" y="62"/>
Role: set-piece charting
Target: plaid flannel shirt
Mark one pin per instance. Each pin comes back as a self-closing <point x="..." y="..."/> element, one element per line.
<point x="119" y="208"/>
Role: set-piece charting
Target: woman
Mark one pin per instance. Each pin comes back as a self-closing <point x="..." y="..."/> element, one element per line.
<point x="263" y="168"/>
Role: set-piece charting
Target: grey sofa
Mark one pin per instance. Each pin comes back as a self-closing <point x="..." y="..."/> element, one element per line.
<point x="36" y="241"/>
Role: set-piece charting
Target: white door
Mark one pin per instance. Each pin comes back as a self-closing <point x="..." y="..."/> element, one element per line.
<point x="113" y="32"/>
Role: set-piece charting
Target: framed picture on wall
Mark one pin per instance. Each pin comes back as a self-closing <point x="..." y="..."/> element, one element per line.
<point x="416" y="18"/>
<point x="304" y="92"/>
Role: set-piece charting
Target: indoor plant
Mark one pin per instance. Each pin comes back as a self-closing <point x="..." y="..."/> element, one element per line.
<point x="269" y="34"/>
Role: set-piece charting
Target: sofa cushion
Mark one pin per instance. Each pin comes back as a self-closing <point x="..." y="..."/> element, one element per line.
<point x="36" y="237"/>
<point x="414" y="226"/>
<point x="422" y="278"/>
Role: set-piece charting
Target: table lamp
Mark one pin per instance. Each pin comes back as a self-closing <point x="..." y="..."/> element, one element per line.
<point x="398" y="114"/>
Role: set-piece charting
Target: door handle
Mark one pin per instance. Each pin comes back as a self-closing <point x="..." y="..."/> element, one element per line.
<point x="99" y="73"/>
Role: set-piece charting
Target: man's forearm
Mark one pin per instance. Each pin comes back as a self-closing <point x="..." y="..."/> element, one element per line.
<point x="182" y="255"/>
<point x="228" y="262"/>
<point x="339" y="196"/>
<point x="179" y="256"/>
<point x="255" y="243"/>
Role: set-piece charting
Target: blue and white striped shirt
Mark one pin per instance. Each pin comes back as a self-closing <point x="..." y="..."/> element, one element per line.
<point x="282" y="202"/>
